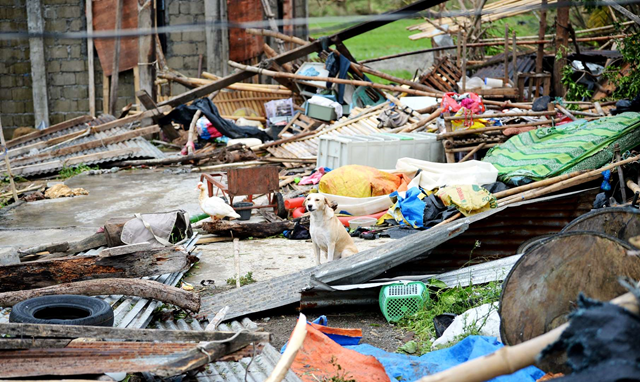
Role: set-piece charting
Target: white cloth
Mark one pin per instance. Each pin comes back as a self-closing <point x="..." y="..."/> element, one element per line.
<point x="322" y="101"/>
<point x="435" y="175"/>
<point x="485" y="318"/>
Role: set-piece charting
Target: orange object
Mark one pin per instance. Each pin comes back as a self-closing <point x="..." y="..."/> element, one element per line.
<point x="320" y="359"/>
<point x="290" y="204"/>
<point x="343" y="219"/>
<point x="359" y="182"/>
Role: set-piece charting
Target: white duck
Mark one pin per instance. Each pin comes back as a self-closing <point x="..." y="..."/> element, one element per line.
<point x="215" y="206"/>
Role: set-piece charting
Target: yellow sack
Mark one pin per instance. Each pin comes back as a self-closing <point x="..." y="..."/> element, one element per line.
<point x="469" y="199"/>
<point x="61" y="190"/>
<point x="359" y="182"/>
<point x="469" y="122"/>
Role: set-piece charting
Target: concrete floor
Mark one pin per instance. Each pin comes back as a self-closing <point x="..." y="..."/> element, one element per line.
<point x="110" y="195"/>
<point x="127" y="192"/>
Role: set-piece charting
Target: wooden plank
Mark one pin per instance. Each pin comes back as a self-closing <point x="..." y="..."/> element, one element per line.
<point x="105" y="93"/>
<point x="128" y="287"/>
<point x="217" y="39"/>
<point x="104" y="16"/>
<point x="90" y="55"/>
<point x="53" y="129"/>
<point x="39" y="274"/>
<point x="115" y="72"/>
<point x="38" y="69"/>
<point x="77" y="331"/>
<point x="169" y="131"/>
<point x="146" y="51"/>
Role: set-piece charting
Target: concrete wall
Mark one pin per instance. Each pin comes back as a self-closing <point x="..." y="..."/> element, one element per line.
<point x="66" y="59"/>
<point x="184" y="48"/>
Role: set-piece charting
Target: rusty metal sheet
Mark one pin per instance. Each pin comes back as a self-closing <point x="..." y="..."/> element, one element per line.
<point x="98" y="357"/>
<point x="543" y="286"/>
<point x="253" y="180"/>
<point x="104" y="19"/>
<point x="620" y="222"/>
<point x="243" y="46"/>
<point x="500" y="234"/>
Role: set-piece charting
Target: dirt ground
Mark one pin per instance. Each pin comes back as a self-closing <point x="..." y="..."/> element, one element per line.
<point x="376" y="330"/>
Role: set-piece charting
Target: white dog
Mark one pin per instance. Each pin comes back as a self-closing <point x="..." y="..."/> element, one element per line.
<point x="327" y="233"/>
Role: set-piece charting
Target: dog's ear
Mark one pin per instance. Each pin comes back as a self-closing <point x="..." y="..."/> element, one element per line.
<point x="333" y="205"/>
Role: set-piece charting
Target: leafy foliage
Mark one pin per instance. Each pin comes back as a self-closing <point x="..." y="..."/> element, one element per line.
<point x="244" y="280"/>
<point x="341" y="374"/>
<point x="68" y="172"/>
<point x="455" y="300"/>
<point x="627" y="86"/>
<point x="575" y="91"/>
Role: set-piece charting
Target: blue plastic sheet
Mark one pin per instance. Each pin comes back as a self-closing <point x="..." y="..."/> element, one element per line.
<point x="411" y="207"/>
<point x="343" y="340"/>
<point x="401" y="367"/>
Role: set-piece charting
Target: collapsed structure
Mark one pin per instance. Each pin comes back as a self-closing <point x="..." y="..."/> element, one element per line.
<point x="477" y="170"/>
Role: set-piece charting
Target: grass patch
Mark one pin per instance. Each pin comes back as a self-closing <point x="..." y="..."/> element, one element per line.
<point x="68" y="172"/>
<point x="244" y="280"/>
<point x="455" y="300"/>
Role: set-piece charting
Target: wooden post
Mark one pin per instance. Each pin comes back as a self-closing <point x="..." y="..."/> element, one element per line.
<point x="464" y="62"/>
<point x="458" y="49"/>
<point x="562" y="41"/>
<point x="6" y="161"/>
<point x="217" y="38"/>
<point x="236" y="260"/>
<point x="541" y="33"/>
<point x="90" y="63"/>
<point x="146" y="51"/>
<point x="272" y="23"/>
<point x="116" y="60"/>
<point x="506" y="53"/>
<point x="36" y="54"/>
<point x="514" y="58"/>
<point x="105" y="93"/>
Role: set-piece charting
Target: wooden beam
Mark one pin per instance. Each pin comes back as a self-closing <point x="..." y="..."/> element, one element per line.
<point x="105" y="93"/>
<point x="116" y="61"/>
<point x="148" y="335"/>
<point x="127" y="287"/>
<point x="12" y="185"/>
<point x="146" y="51"/>
<point x="40" y="274"/>
<point x="90" y="56"/>
<point x="217" y="39"/>
<point x="541" y="34"/>
<point x="169" y="131"/>
<point x="38" y="68"/>
<point x="562" y="43"/>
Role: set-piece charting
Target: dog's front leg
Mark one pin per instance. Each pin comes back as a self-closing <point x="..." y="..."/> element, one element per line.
<point x="316" y="252"/>
<point x="331" y="249"/>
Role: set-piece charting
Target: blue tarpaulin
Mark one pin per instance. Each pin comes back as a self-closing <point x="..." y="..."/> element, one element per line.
<point x="401" y="367"/>
<point x="411" y="207"/>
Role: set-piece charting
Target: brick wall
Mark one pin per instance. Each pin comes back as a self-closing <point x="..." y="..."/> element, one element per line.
<point x="16" y="102"/>
<point x="184" y="48"/>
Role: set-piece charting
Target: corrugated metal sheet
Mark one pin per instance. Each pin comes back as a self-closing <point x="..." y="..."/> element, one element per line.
<point x="104" y="118"/>
<point x="261" y="367"/>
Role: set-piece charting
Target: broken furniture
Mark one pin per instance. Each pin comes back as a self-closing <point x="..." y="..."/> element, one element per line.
<point x="248" y="182"/>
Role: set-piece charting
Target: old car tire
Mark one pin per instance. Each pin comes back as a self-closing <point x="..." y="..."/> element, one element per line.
<point x="63" y="310"/>
<point x="281" y="210"/>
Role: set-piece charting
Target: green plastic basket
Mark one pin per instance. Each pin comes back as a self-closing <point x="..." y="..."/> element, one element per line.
<point x="402" y="299"/>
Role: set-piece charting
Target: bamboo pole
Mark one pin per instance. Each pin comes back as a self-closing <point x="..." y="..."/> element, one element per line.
<point x="297" y="339"/>
<point x="423" y="122"/>
<point x="541" y="183"/>
<point x="473" y="151"/>
<point x="191" y="137"/>
<point x="278" y="35"/>
<point x="573" y="181"/>
<point x="506" y="53"/>
<point x="501" y="115"/>
<point x="275" y="74"/>
<point x="459" y="133"/>
<point x="566" y="112"/>
<point x="465" y="149"/>
<point x="5" y="154"/>
<point x="510" y="359"/>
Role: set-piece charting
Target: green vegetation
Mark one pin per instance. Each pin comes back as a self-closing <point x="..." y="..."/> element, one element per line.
<point x="455" y="300"/>
<point x="68" y="172"/>
<point x="627" y="85"/>
<point x="575" y="91"/>
<point x="341" y="374"/>
<point x="244" y="280"/>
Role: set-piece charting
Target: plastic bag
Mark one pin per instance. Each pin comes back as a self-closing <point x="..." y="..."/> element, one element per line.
<point x="469" y="200"/>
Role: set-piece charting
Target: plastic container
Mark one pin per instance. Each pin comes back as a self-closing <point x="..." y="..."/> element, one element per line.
<point x="244" y="214"/>
<point x="402" y="299"/>
<point x="362" y="222"/>
<point x="294" y="203"/>
<point x="323" y="113"/>
<point x="381" y="151"/>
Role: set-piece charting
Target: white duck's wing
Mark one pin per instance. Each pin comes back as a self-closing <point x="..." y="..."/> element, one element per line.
<point x="217" y="207"/>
